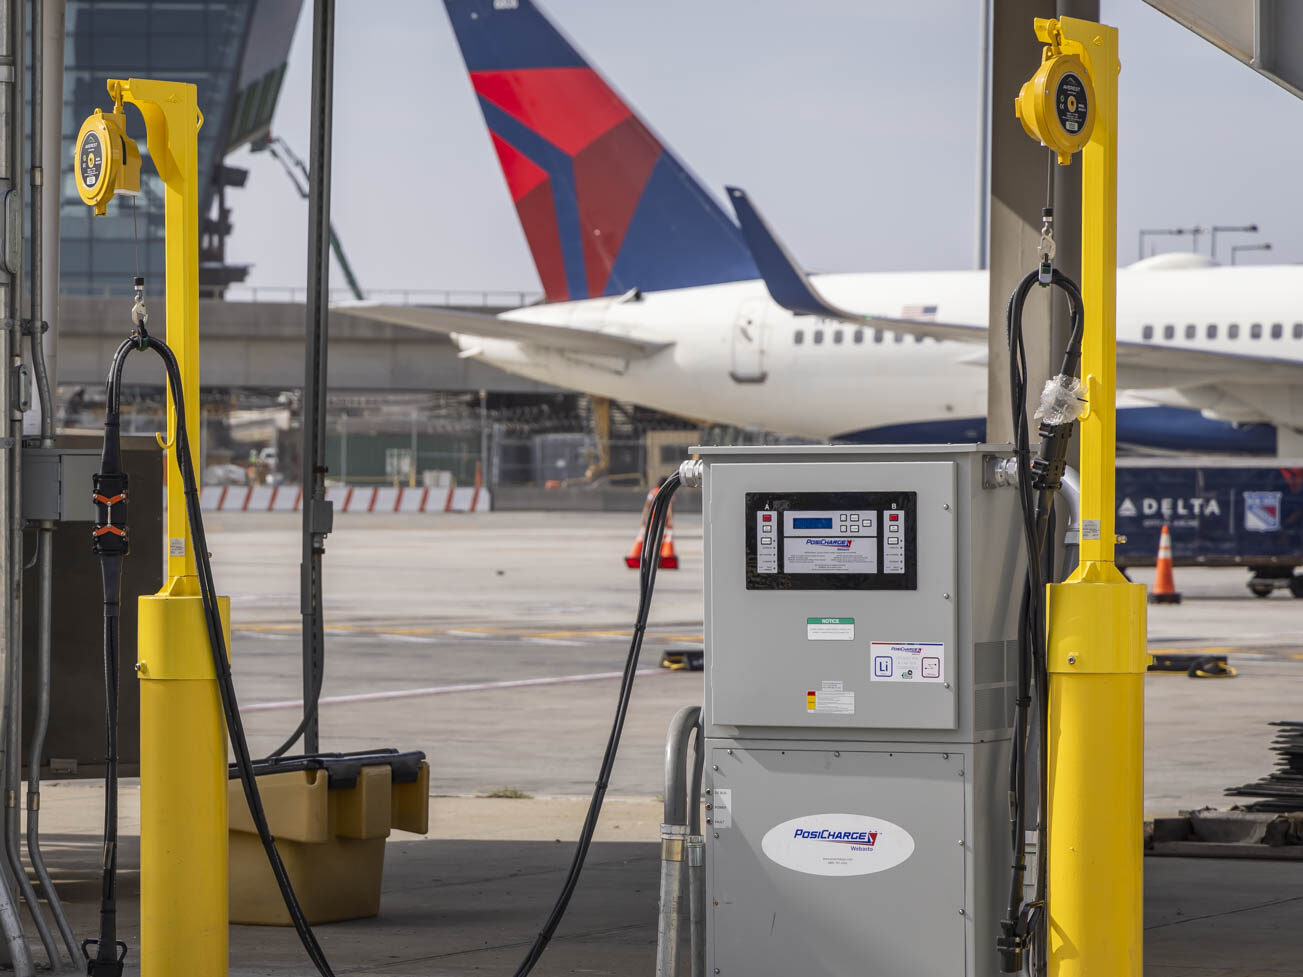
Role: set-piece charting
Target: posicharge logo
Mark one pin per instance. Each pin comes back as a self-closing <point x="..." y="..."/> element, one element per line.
<point x="841" y="544"/>
<point x="859" y="840"/>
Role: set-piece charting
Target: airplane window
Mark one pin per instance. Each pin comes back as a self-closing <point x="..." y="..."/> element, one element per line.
<point x="1298" y="330"/>
<point x="1169" y="332"/>
<point x="1147" y="332"/>
<point x="919" y="339"/>
<point x="799" y="337"/>
<point x="859" y="335"/>
<point x="1277" y="330"/>
<point x="837" y="336"/>
<point x="1212" y="330"/>
<point x="897" y="337"/>
<point x="877" y="335"/>
<point x="818" y="335"/>
<point x="1191" y="330"/>
<point x="1233" y="331"/>
<point x="1255" y="330"/>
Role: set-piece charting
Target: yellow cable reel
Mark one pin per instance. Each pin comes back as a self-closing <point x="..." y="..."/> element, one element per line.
<point x="1056" y="106"/>
<point x="108" y="161"/>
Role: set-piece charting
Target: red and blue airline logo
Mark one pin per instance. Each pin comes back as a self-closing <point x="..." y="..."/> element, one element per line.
<point x="604" y="206"/>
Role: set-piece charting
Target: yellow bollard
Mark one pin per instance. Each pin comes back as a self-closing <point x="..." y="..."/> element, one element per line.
<point x="183" y="781"/>
<point x="1096" y="620"/>
<point x="183" y="791"/>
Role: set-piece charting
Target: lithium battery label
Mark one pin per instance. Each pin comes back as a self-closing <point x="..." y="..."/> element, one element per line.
<point x="830" y="628"/>
<point x="900" y="661"/>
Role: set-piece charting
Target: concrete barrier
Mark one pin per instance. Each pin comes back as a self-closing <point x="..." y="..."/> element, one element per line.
<point x="346" y="498"/>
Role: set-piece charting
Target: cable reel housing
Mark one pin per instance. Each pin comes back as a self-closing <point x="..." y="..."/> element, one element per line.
<point x="108" y="160"/>
<point x="1056" y="106"/>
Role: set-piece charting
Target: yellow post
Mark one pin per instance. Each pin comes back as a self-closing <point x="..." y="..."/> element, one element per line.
<point x="183" y="816"/>
<point x="1096" y="619"/>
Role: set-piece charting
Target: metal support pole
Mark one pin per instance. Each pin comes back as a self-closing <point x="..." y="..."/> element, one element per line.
<point x="317" y="514"/>
<point x="183" y="779"/>
<point x="44" y="157"/>
<point x="1096" y="620"/>
<point x="1017" y="195"/>
<point x="675" y="837"/>
<point x="11" y="143"/>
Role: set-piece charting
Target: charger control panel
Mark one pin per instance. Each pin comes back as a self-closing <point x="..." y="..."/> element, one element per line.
<point x="831" y="541"/>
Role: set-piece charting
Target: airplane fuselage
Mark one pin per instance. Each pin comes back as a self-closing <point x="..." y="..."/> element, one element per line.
<point x="738" y="358"/>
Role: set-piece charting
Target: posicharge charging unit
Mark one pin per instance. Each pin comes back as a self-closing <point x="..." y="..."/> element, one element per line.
<point x="860" y="633"/>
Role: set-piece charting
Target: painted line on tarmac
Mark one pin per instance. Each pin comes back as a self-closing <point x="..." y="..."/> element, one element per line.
<point x="523" y="683"/>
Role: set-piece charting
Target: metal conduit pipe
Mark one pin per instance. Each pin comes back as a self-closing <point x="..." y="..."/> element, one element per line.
<point x="45" y="531"/>
<point x="13" y="727"/>
<point x="674" y="834"/>
<point x="696" y="854"/>
<point x="11" y="159"/>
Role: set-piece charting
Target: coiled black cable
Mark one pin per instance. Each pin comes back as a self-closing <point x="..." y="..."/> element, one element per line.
<point x="1038" y="480"/>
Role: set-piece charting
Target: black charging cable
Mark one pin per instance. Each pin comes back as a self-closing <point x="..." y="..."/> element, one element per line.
<point x="112" y="518"/>
<point x="656" y="520"/>
<point x="1039" y="479"/>
<point x="111" y="543"/>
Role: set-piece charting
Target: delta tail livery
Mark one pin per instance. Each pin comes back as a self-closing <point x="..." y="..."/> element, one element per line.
<point x="656" y="295"/>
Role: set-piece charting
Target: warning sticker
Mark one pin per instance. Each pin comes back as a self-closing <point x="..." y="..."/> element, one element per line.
<point x="176" y="546"/>
<point x="830" y="628"/>
<point x="830" y="699"/>
<point x="894" y="661"/>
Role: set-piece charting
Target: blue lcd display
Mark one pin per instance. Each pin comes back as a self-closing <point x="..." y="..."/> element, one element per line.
<point x="798" y="523"/>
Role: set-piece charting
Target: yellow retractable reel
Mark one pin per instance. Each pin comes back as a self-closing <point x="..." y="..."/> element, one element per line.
<point x="1057" y="105"/>
<point x="108" y="161"/>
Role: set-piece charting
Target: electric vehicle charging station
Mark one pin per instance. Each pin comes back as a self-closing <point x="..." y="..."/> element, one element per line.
<point x="861" y="618"/>
<point x="863" y="638"/>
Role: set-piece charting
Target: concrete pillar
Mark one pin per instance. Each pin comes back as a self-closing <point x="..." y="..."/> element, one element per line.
<point x="1017" y="196"/>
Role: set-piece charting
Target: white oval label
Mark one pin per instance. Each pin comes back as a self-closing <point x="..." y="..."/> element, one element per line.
<point x="837" y="844"/>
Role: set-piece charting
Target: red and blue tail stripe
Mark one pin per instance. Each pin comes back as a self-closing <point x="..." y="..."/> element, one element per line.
<point x="604" y="205"/>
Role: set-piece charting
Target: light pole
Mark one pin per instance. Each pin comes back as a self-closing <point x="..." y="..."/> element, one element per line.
<point x="1237" y="248"/>
<point x="1229" y="229"/>
<point x="1167" y="232"/>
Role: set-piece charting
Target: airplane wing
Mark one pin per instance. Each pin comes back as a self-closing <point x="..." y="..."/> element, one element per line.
<point x="444" y="320"/>
<point x="1140" y="365"/>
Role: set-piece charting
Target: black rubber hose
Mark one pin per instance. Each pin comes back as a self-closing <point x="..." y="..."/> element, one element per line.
<point x="1024" y="923"/>
<point x="656" y="519"/>
<point x="221" y="663"/>
<point x="110" y="953"/>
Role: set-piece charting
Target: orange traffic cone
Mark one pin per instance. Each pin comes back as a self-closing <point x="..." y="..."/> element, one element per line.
<point x="1164" y="591"/>
<point x="669" y="559"/>
<point x="634" y="559"/>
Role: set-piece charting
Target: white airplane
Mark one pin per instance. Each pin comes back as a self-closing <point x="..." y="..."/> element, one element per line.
<point x="655" y="295"/>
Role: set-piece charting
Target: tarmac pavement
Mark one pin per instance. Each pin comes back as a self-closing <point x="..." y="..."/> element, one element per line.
<point x="490" y="641"/>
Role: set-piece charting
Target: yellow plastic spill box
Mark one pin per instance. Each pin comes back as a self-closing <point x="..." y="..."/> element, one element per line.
<point x="330" y="815"/>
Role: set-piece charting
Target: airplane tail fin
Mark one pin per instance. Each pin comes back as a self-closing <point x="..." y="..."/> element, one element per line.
<point x="604" y="205"/>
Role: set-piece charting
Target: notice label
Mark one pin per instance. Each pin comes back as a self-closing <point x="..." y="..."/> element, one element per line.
<point x="721" y="807"/>
<point x="176" y="546"/>
<point x="1090" y="529"/>
<point x="830" y="628"/>
<point x="830" y="701"/>
<point x="899" y="661"/>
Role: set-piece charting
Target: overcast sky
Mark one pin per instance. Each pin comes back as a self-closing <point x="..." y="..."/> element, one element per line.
<point x="852" y="124"/>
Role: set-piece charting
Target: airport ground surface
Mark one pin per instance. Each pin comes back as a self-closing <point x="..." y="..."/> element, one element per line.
<point x="430" y="616"/>
<point x="420" y="607"/>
